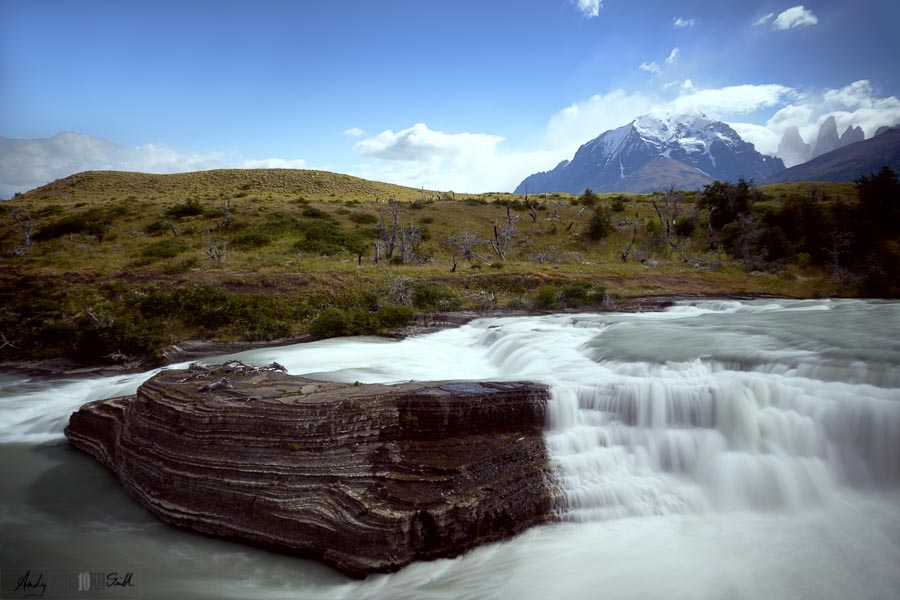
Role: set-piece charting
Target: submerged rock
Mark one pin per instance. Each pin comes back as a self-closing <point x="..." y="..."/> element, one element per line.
<point x="365" y="478"/>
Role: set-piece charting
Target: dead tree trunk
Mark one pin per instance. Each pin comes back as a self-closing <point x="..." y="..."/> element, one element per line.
<point x="627" y="251"/>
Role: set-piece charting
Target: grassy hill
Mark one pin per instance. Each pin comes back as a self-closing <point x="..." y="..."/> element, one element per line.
<point x="269" y="184"/>
<point x="122" y="264"/>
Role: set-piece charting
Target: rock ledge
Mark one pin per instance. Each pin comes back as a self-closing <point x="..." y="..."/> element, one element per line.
<point x="366" y="478"/>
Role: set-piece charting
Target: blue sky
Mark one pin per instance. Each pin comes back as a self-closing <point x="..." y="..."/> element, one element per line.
<point x="463" y="95"/>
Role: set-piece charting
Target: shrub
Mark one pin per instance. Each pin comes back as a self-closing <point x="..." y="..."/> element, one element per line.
<point x="395" y="316"/>
<point x="546" y="296"/>
<point x="588" y="198"/>
<point x="167" y="248"/>
<point x="327" y="238"/>
<point x="250" y="240"/>
<point x="189" y="208"/>
<point x="182" y="266"/>
<point x="571" y="295"/>
<point x="618" y="204"/>
<point x="685" y="227"/>
<point x="435" y="296"/>
<point x="311" y="212"/>
<point x="600" y="226"/>
<point x="363" y="218"/>
<point x="92" y="222"/>
<point x="158" y="227"/>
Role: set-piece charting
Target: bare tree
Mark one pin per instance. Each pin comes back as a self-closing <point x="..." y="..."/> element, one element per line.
<point x="669" y="212"/>
<point x="627" y="251"/>
<point x="26" y="226"/>
<point x="388" y="234"/>
<point x="503" y="235"/>
<point x="216" y="248"/>
<point x="226" y="216"/>
<point x="410" y="239"/>
<point x="840" y="242"/>
<point x="466" y="244"/>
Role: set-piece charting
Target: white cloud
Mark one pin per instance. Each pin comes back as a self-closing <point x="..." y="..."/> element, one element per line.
<point x="734" y="99"/>
<point x="354" y="132"/>
<point x="464" y="162"/>
<point x="763" y="20"/>
<point x="650" y="67"/>
<point x="796" y="16"/>
<point x="589" y="8"/>
<point x="581" y="121"/>
<point x="856" y="104"/>
<point x="27" y="164"/>
<point x="681" y="23"/>
<point x="420" y="144"/>
<point x="673" y="56"/>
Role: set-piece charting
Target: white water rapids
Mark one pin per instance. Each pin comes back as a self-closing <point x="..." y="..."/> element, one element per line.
<point x="714" y="450"/>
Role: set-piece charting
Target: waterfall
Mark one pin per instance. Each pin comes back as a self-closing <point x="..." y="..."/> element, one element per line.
<point x="713" y="406"/>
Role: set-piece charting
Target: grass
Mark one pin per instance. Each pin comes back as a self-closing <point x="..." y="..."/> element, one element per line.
<point x="300" y="248"/>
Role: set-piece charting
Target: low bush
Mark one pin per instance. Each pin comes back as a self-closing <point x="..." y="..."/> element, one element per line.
<point x="311" y="212"/>
<point x="167" y="248"/>
<point x="356" y="320"/>
<point x="250" y="240"/>
<point x="685" y="227"/>
<point x="573" y="294"/>
<point x="94" y="222"/>
<point x="188" y="208"/>
<point x="435" y="296"/>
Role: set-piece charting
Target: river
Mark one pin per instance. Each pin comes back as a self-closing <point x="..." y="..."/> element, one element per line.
<point x="716" y="449"/>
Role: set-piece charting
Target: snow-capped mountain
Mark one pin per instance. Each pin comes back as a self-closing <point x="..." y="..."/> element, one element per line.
<point x="708" y="149"/>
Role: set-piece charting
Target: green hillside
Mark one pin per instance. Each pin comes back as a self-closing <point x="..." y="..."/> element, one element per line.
<point x="122" y="264"/>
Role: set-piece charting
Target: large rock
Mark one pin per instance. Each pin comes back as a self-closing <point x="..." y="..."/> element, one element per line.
<point x="366" y="478"/>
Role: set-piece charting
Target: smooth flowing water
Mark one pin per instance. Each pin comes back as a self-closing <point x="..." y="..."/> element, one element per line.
<point x="713" y="450"/>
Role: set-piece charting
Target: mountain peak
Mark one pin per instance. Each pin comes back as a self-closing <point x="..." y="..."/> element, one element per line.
<point x="706" y="149"/>
<point x="828" y="138"/>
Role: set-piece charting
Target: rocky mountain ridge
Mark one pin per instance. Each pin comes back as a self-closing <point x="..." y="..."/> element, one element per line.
<point x="705" y="148"/>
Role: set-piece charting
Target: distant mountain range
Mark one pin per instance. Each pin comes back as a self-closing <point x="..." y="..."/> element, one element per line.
<point x="848" y="162"/>
<point x="652" y="153"/>
<point x="794" y="151"/>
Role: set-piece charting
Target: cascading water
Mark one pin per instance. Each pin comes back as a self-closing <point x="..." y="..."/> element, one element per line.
<point x="754" y="446"/>
<point x="709" y="407"/>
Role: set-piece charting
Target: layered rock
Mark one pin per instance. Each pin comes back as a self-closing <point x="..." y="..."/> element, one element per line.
<point x="365" y="478"/>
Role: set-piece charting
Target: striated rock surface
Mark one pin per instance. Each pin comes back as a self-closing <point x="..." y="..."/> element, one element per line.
<point x="365" y="478"/>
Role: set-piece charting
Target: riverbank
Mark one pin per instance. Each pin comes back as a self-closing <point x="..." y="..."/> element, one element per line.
<point x="423" y="323"/>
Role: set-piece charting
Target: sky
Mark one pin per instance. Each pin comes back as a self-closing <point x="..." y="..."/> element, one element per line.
<point x="463" y="95"/>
